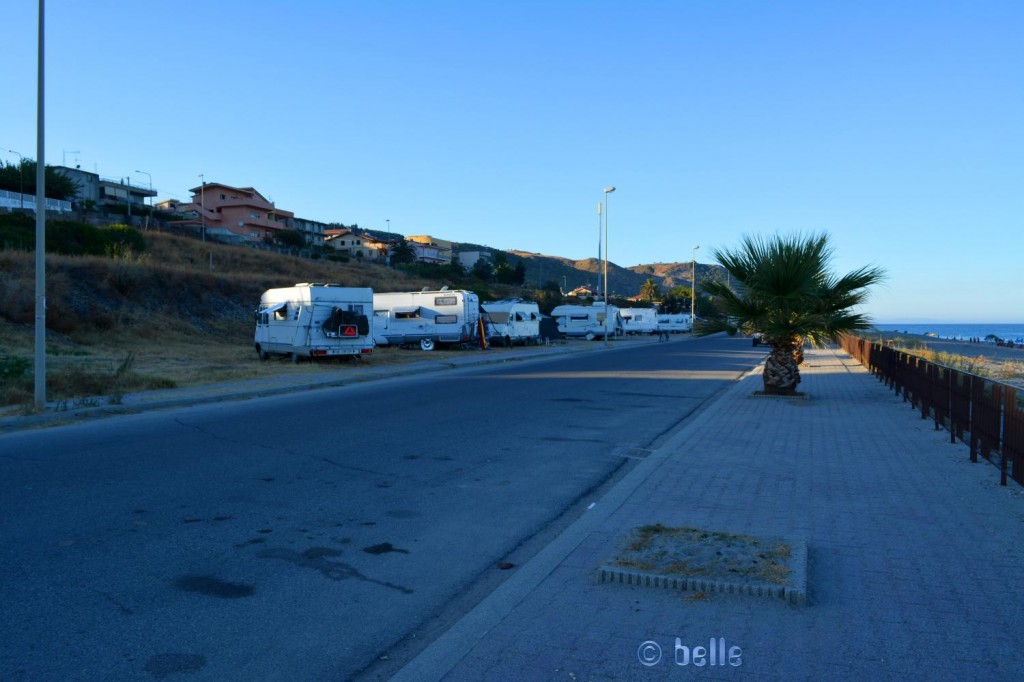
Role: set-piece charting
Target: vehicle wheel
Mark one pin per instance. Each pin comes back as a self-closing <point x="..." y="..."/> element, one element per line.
<point x="295" y="358"/>
<point x="426" y="344"/>
<point x="508" y="341"/>
<point x="261" y="354"/>
<point x="590" y="336"/>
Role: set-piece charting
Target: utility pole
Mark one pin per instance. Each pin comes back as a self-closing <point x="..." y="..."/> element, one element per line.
<point x="40" y="331"/>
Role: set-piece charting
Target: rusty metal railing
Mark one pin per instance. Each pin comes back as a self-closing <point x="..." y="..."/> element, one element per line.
<point x="984" y="414"/>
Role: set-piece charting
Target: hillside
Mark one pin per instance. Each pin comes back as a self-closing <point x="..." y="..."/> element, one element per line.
<point x="179" y="311"/>
<point x="624" y="282"/>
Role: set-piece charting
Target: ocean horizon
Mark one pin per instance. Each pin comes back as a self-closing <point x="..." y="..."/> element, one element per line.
<point x="958" y="331"/>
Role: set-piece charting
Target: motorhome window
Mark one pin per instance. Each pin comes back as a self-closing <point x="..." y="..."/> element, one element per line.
<point x="499" y="318"/>
<point x="354" y="308"/>
<point x="281" y="313"/>
<point x="577" y="317"/>
<point x="406" y="314"/>
<point x="446" y="319"/>
<point x="446" y="300"/>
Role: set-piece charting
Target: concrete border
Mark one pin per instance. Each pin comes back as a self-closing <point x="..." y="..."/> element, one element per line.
<point x="794" y="593"/>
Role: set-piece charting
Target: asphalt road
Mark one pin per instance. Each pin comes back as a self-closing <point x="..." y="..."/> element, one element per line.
<point x="303" y="536"/>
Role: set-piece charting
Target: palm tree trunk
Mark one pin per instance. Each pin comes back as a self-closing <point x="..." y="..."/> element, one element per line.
<point x="781" y="373"/>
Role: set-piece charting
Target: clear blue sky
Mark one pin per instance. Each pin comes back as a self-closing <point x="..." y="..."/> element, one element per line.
<point x="894" y="126"/>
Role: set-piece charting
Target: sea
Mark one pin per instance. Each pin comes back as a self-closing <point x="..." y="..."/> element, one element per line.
<point x="962" y="332"/>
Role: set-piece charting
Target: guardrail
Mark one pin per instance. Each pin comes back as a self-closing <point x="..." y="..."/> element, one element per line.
<point x="12" y="200"/>
<point x="984" y="414"/>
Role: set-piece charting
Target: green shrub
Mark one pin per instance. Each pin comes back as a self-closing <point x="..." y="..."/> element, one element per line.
<point x="17" y="231"/>
<point x="72" y="238"/>
<point x="13" y="367"/>
<point x="125" y="237"/>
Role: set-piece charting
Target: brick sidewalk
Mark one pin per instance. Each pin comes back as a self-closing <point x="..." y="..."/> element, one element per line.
<point x="914" y="563"/>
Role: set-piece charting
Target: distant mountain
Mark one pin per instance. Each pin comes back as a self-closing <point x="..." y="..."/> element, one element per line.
<point x="625" y="282"/>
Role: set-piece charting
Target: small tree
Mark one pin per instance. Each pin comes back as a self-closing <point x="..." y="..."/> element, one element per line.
<point x="483" y="270"/>
<point x="291" y="238"/>
<point x="650" y="291"/>
<point x="788" y="294"/>
<point x="402" y="252"/>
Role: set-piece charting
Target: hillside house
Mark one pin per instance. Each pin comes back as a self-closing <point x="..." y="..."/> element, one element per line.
<point x="345" y="241"/>
<point x="234" y="214"/>
<point x="443" y="248"/>
<point x="106" y="191"/>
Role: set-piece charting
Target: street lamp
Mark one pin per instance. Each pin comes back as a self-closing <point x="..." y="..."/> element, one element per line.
<point x="21" y="176"/>
<point x="202" y="204"/>
<point x="693" y="294"/>
<point x="150" y="186"/>
<point x="607" y="191"/>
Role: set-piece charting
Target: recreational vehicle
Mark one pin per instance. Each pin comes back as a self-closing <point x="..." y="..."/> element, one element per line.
<point x="426" y="318"/>
<point x="512" y="321"/>
<point x="314" y="320"/>
<point x="676" y="323"/>
<point x="588" y="321"/>
<point x="639" y="320"/>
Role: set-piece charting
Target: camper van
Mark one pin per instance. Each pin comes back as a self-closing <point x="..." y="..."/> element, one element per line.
<point x="314" y="320"/>
<point x="426" y="318"/>
<point x="512" y="321"/>
<point x="588" y="321"/>
<point x="676" y="323"/>
<point x="639" y="320"/>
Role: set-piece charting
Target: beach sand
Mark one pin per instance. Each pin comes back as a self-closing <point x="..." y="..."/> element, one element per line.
<point x="1000" y="360"/>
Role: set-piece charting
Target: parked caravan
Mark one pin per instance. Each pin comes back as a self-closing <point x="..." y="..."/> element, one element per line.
<point x="512" y="321"/>
<point x="588" y="321"/>
<point x="676" y="323"/>
<point x="639" y="320"/>
<point x="426" y="318"/>
<point x="314" y="320"/>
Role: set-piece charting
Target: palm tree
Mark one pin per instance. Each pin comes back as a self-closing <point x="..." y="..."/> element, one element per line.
<point x="402" y="252"/>
<point x="785" y="291"/>
<point x="650" y="291"/>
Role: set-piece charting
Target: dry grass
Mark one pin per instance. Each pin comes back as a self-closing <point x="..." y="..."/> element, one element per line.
<point x="985" y="360"/>
<point x="693" y="552"/>
<point x="163" y="318"/>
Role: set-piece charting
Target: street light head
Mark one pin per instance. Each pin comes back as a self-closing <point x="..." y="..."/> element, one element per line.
<point x="609" y="189"/>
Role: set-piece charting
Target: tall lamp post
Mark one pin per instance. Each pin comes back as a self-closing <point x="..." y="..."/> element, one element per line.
<point x="202" y="203"/>
<point x="599" y="261"/>
<point x="150" y="186"/>
<point x="607" y="191"/>
<point x="21" y="176"/>
<point x="693" y="294"/>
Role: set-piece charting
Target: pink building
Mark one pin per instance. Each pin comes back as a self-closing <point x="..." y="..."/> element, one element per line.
<point x="236" y="214"/>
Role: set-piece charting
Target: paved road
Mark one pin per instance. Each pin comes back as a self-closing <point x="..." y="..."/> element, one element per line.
<point x="300" y="537"/>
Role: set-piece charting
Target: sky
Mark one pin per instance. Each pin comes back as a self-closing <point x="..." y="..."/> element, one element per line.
<point x="895" y="127"/>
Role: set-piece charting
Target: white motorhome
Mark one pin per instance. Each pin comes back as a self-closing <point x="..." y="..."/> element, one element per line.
<point x="639" y="320"/>
<point x="676" y="323"/>
<point x="512" y="321"/>
<point x="426" y="318"/>
<point x="588" y="321"/>
<point x="314" y="320"/>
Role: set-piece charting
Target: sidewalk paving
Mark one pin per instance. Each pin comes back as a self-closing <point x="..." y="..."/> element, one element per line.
<point x="914" y="554"/>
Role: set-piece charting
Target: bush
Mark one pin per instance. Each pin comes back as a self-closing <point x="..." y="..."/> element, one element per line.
<point x="125" y="237"/>
<point x="75" y="239"/>
<point x="13" y="367"/>
<point x="17" y="231"/>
